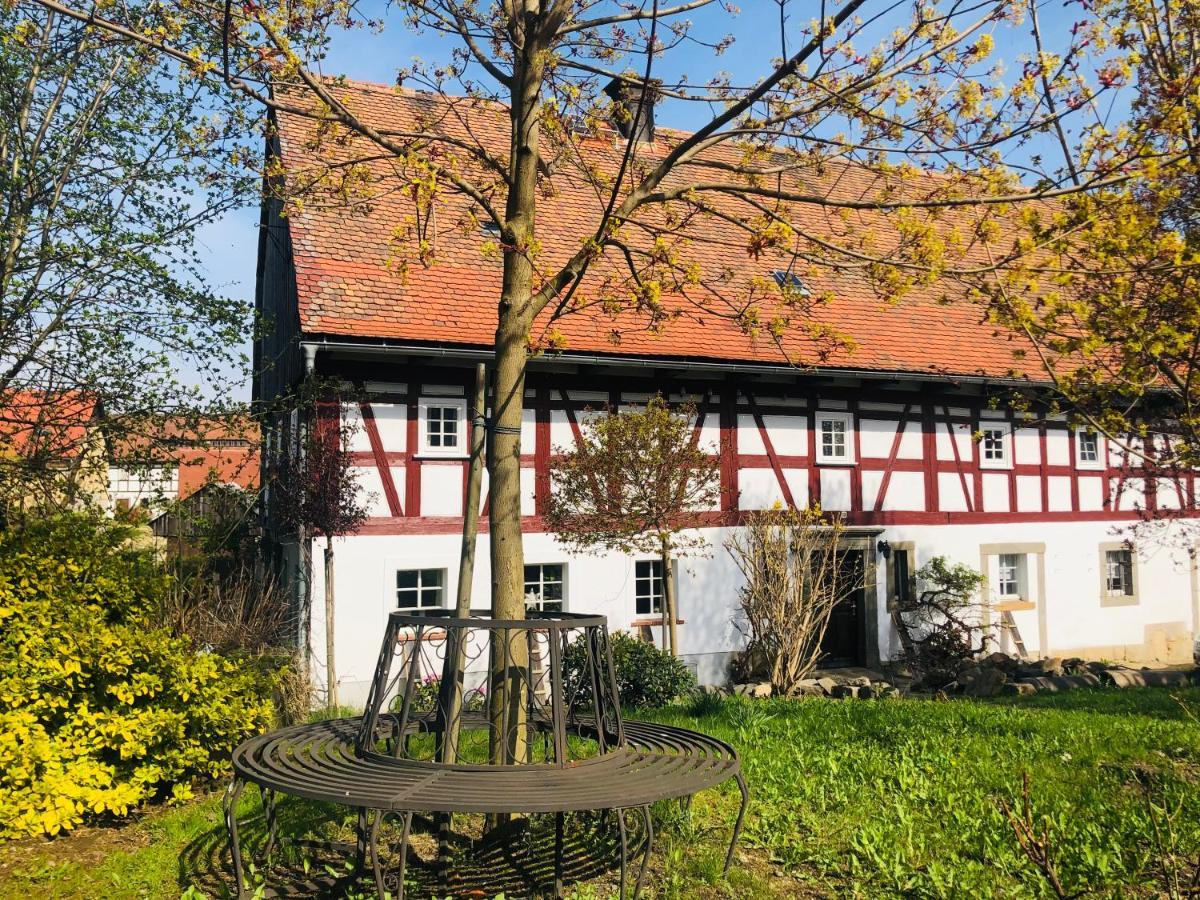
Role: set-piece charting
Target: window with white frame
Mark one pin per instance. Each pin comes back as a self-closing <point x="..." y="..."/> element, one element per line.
<point x="443" y="426"/>
<point x="1088" y="450"/>
<point x="545" y="587"/>
<point x="835" y="437"/>
<point x="420" y="588"/>
<point x="648" y="587"/>
<point x="1118" y="573"/>
<point x="995" y="445"/>
<point x="1010" y="576"/>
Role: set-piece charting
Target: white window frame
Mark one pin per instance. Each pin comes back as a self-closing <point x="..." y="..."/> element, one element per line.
<point x="1109" y="597"/>
<point x="655" y="579"/>
<point x="420" y="588"/>
<point x="539" y="602"/>
<point x="1019" y="579"/>
<point x="1101" y="450"/>
<point x="847" y="420"/>
<point x="458" y="403"/>
<point x="1006" y="444"/>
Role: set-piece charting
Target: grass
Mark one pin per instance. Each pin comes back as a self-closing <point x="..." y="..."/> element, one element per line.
<point x="850" y="799"/>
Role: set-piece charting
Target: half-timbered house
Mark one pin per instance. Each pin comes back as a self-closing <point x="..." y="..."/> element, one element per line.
<point x="899" y="434"/>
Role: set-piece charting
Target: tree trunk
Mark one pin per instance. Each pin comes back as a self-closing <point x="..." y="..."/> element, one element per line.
<point x="331" y="698"/>
<point x="509" y="651"/>
<point x="670" y="636"/>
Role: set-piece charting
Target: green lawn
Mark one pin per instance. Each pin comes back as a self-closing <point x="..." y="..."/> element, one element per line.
<point x="850" y="798"/>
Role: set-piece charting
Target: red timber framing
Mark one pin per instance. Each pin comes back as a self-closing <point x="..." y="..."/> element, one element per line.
<point x="951" y="477"/>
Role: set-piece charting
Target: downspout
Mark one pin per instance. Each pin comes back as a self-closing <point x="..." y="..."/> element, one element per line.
<point x="304" y="622"/>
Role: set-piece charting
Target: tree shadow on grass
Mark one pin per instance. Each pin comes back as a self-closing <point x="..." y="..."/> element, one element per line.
<point x="315" y="855"/>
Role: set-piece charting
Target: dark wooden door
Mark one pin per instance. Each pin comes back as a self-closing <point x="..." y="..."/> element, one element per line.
<point x="845" y="640"/>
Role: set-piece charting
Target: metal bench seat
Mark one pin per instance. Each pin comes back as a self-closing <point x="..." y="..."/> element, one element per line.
<point x="404" y="755"/>
<point x="318" y="762"/>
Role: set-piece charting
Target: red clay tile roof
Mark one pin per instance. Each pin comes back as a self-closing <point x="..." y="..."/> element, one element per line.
<point x="349" y="283"/>
<point x="226" y="465"/>
<point x="226" y="449"/>
<point x="51" y="425"/>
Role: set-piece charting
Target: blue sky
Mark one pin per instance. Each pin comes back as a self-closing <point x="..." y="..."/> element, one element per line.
<point x="228" y="246"/>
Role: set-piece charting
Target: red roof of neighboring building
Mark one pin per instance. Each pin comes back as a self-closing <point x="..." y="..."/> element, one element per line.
<point x="227" y="465"/>
<point x="349" y="282"/>
<point x="51" y="424"/>
<point x="225" y="449"/>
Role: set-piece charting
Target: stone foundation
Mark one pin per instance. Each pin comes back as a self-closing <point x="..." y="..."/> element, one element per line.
<point x="1167" y="643"/>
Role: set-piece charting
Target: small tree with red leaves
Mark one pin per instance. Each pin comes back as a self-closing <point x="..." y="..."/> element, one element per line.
<point x="635" y="482"/>
<point x="315" y="490"/>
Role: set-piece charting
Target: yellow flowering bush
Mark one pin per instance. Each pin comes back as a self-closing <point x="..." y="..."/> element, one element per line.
<point x="99" y="709"/>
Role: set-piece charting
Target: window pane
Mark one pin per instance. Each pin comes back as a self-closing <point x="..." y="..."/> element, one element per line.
<point x="1009" y="584"/>
<point x="544" y="587"/>
<point x="432" y="577"/>
<point x="1089" y="446"/>
<point x="833" y="437"/>
<point x="993" y="444"/>
<point x="406" y="599"/>
<point x="900" y="568"/>
<point x="1119" y="575"/>
<point x="648" y="585"/>
<point x="406" y="578"/>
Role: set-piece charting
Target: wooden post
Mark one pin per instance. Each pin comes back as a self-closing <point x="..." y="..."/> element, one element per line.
<point x="451" y="693"/>
<point x="452" y="686"/>
<point x="331" y="695"/>
<point x="670" y="616"/>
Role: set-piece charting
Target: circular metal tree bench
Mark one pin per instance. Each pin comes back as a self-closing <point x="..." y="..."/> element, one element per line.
<point x="485" y="716"/>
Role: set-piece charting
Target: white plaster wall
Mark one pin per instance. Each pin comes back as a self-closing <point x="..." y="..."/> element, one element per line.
<point x="1074" y="618"/>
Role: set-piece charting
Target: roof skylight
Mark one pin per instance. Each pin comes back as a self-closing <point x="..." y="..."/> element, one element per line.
<point x="790" y="281"/>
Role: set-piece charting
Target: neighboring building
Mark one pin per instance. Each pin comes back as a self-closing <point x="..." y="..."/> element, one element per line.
<point x="51" y="449"/>
<point x="899" y="437"/>
<point x="153" y="464"/>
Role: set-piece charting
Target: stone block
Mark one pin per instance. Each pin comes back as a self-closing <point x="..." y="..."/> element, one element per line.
<point x="827" y="684"/>
<point x="1018" y="688"/>
<point x="753" y="689"/>
<point x="1166" y="678"/>
<point x="1058" y="684"/>
<point x="1051" y="666"/>
<point x="986" y="683"/>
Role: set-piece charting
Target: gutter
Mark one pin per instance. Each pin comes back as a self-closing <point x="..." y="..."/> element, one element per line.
<point x="372" y="348"/>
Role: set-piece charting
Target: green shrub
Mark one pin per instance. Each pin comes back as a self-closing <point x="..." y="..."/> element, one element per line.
<point x="646" y="676"/>
<point x="99" y="710"/>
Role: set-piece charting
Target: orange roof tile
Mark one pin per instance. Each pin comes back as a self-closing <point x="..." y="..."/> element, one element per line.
<point x="50" y="424"/>
<point x="346" y="246"/>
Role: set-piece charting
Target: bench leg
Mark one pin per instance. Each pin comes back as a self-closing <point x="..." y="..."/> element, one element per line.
<point x="558" y="855"/>
<point x="624" y="849"/>
<point x="444" y="823"/>
<point x="737" y="826"/>
<point x="373" y="849"/>
<point x="403" y="854"/>
<point x="269" y="801"/>
<point x="637" y="888"/>
<point x="232" y="793"/>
